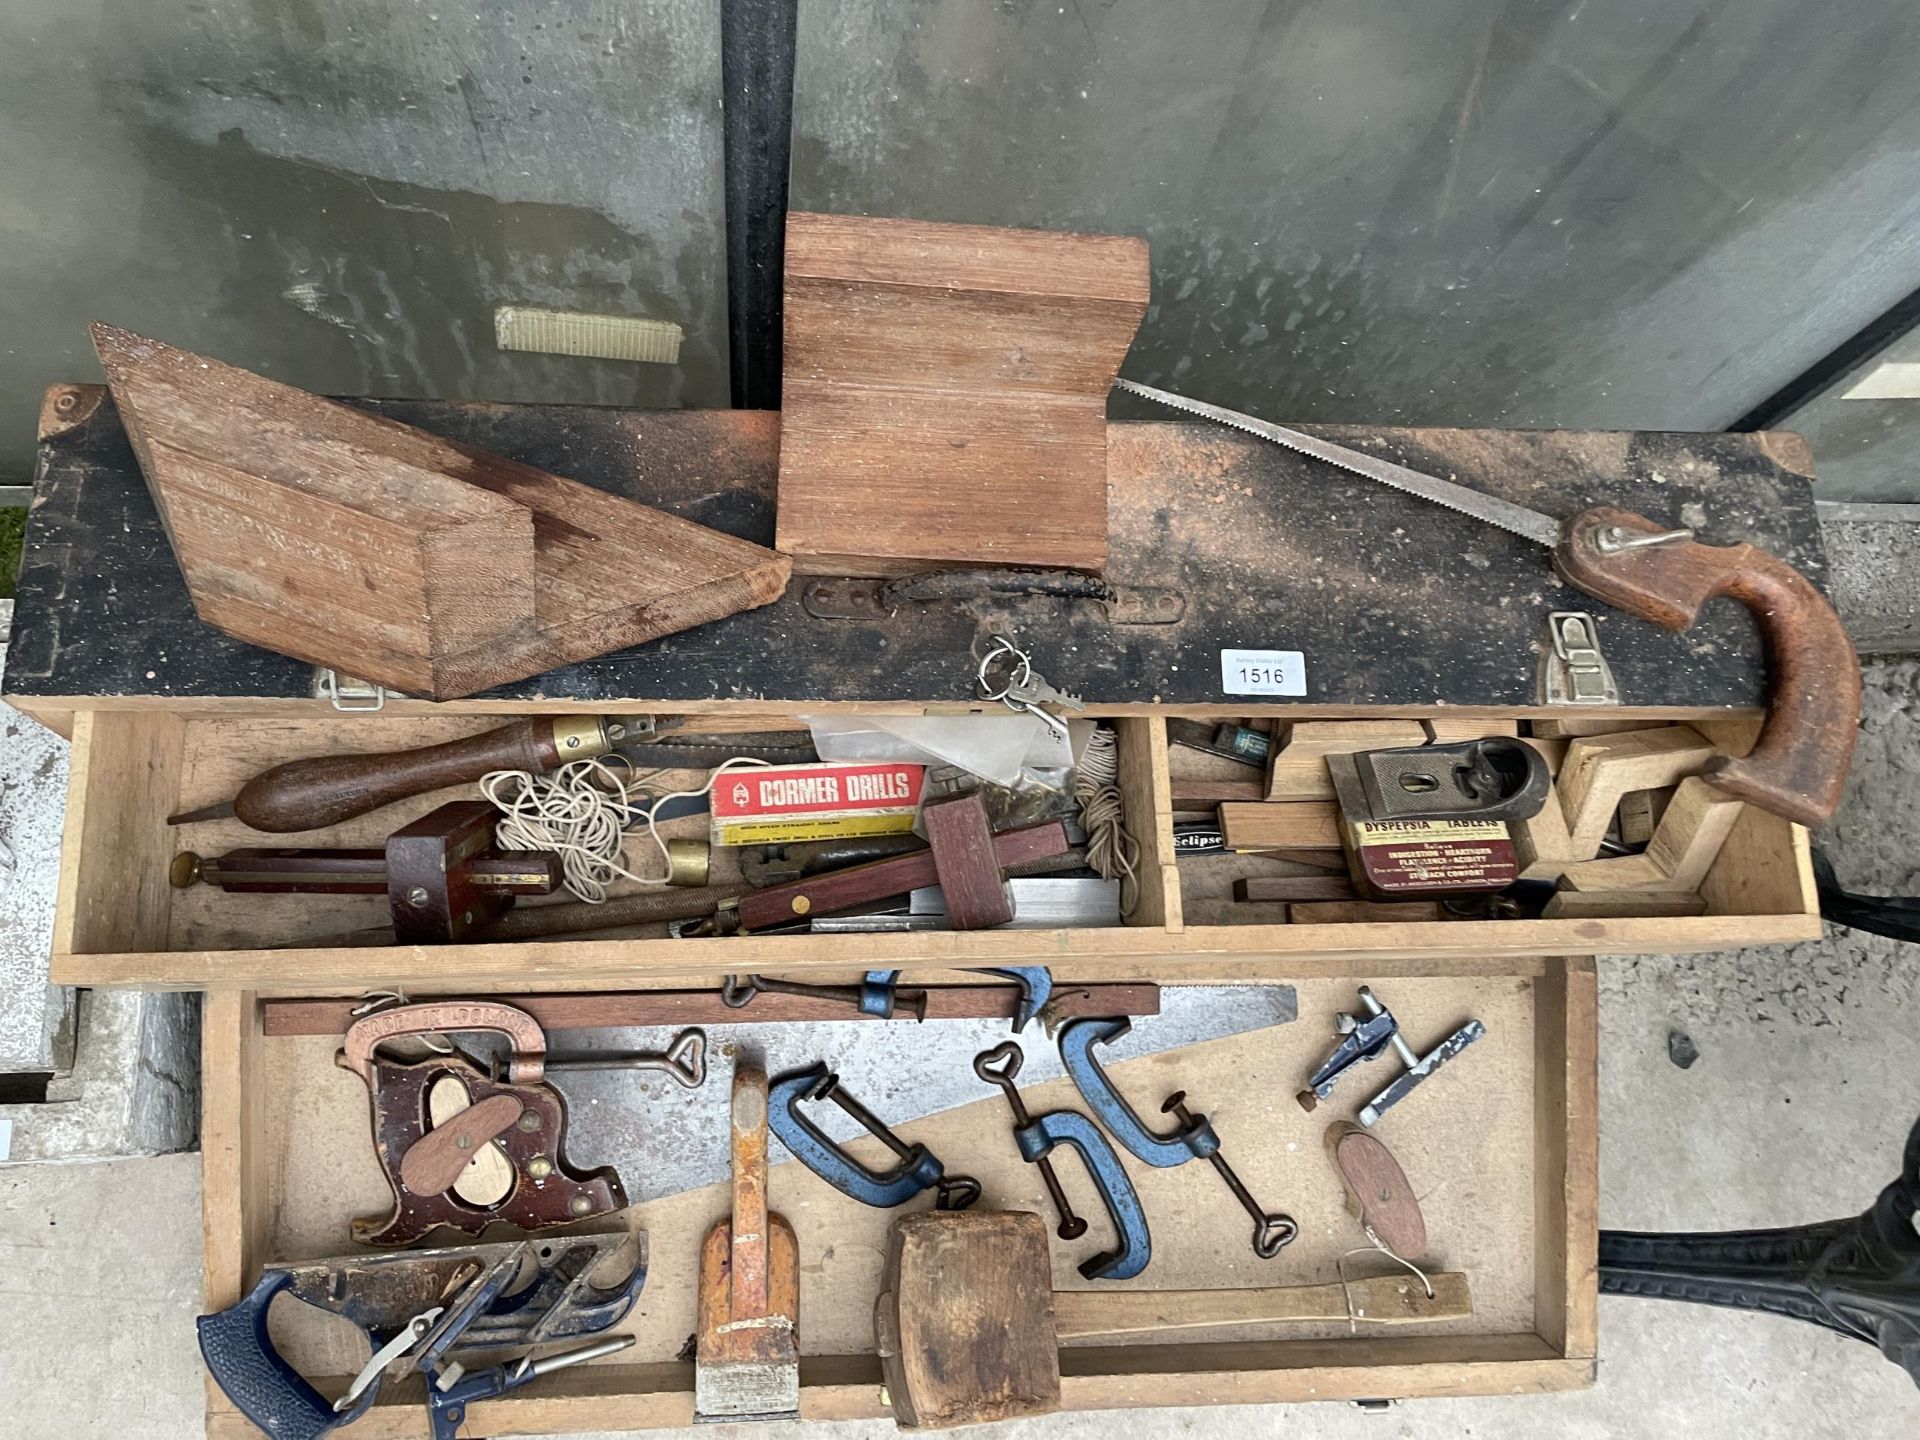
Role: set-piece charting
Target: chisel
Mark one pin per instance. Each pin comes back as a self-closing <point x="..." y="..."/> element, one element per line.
<point x="1798" y="766"/>
<point x="326" y="789"/>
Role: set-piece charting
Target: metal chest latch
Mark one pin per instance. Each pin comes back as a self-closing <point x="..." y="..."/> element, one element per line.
<point x="1576" y="673"/>
<point x="348" y="694"/>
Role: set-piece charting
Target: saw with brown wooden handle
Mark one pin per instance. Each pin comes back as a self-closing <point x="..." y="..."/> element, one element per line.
<point x="1798" y="767"/>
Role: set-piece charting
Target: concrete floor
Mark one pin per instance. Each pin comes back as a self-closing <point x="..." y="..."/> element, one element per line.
<point x="1808" y="1080"/>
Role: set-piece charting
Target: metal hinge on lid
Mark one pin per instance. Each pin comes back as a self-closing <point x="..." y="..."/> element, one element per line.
<point x="347" y="693"/>
<point x="1575" y="672"/>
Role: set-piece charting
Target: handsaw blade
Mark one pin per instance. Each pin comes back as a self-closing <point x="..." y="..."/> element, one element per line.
<point x="660" y="1137"/>
<point x="1504" y="514"/>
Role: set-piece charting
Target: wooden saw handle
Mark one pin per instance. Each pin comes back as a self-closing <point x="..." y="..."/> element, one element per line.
<point x="311" y="794"/>
<point x="1798" y="767"/>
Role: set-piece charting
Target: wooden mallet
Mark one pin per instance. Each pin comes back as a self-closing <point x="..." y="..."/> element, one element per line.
<point x="968" y="1326"/>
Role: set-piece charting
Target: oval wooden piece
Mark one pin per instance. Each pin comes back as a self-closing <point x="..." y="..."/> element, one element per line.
<point x="436" y="1161"/>
<point x="1378" y="1190"/>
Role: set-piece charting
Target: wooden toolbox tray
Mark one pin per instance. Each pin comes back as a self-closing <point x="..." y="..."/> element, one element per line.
<point x="1503" y="1148"/>
<point x="118" y="921"/>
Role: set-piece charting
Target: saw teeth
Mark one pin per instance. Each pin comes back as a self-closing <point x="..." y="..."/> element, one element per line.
<point x="1175" y="402"/>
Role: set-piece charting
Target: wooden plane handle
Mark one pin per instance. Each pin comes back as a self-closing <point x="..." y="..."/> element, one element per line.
<point x="1377" y="1300"/>
<point x="434" y="1161"/>
<point x="1798" y="767"/>
<point x="324" y="790"/>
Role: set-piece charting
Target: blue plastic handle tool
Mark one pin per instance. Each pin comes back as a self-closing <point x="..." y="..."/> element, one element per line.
<point x="263" y="1387"/>
<point x="1364" y="1037"/>
<point x="919" y="1169"/>
<point x="1042" y="1135"/>
<point x="1194" y="1141"/>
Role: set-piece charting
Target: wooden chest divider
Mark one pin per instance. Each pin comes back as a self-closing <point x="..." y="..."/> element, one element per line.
<point x="118" y="922"/>
<point x="1504" y="1150"/>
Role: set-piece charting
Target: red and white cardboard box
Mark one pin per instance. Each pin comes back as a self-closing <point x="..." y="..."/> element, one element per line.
<point x="815" y="802"/>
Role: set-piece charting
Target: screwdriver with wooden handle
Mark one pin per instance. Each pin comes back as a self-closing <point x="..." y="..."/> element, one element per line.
<point x="1798" y="766"/>
<point x="326" y="789"/>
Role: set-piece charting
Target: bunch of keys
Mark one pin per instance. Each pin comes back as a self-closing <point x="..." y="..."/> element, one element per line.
<point x="1007" y="675"/>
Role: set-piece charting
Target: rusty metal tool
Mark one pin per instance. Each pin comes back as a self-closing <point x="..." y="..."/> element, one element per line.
<point x="418" y="1309"/>
<point x="1369" y="1035"/>
<point x="443" y="878"/>
<point x="737" y="993"/>
<point x="1037" y="1137"/>
<point x="684" y="1061"/>
<point x="1798" y="766"/>
<point x="616" y="1009"/>
<point x="460" y="1148"/>
<point x="326" y="789"/>
<point x="747" y="1348"/>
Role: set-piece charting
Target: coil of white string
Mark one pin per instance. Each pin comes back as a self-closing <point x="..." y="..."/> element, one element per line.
<point x="1112" y="851"/>
<point x="582" y="813"/>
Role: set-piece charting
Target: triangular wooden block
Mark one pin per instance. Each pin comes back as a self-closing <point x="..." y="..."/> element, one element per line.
<point x="436" y="569"/>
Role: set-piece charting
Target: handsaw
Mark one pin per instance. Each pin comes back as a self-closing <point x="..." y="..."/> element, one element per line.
<point x="902" y="1071"/>
<point x="1798" y="766"/>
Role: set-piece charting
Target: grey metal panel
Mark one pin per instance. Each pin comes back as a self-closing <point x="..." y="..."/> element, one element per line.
<point x="338" y="192"/>
<point x="1866" y="449"/>
<point x="1597" y="214"/>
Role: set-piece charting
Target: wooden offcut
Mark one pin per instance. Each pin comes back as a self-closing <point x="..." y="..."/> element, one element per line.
<point x="1269" y="889"/>
<point x="1599" y="770"/>
<point x="944" y="393"/>
<point x="1682" y="849"/>
<point x="1291" y="825"/>
<point x="1366" y="912"/>
<point x="433" y="568"/>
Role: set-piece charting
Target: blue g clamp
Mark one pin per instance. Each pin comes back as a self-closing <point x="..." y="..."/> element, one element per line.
<point x="1194" y="1139"/>
<point x="1037" y="1137"/>
<point x="919" y="1168"/>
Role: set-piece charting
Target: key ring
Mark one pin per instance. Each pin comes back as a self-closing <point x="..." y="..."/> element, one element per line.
<point x="1018" y="674"/>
